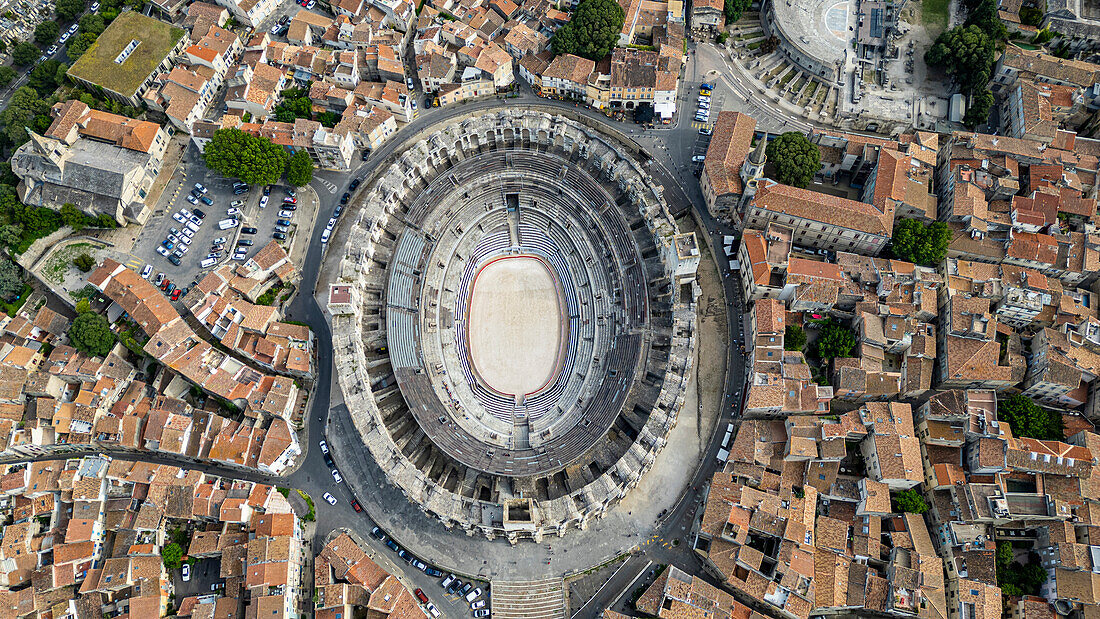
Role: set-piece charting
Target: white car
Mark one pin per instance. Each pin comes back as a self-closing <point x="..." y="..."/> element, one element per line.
<point x="201" y="188"/>
<point x="186" y="213"/>
<point x="263" y="201"/>
<point x="192" y="199"/>
<point x="331" y="223"/>
<point x="219" y="241"/>
<point x="698" y="158"/>
<point x="147" y="271"/>
<point x="64" y="37"/>
<point x="473" y="595"/>
<point x="186" y="572"/>
<point x="179" y="217"/>
<point x="275" y="29"/>
<point x="195" y="219"/>
<point x="236" y="203"/>
<point x="233" y="211"/>
<point x="324" y="447"/>
<point x="95" y="7"/>
<point x="188" y="232"/>
<point x="331" y="499"/>
<point x="175" y="239"/>
<point x="73" y="28"/>
<point x="285" y="214"/>
<point x="182" y="249"/>
<point x="325" y="236"/>
<point x="162" y="250"/>
<point x="336" y="475"/>
<point x="185" y="240"/>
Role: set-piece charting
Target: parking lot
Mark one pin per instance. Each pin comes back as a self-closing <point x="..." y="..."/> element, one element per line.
<point x="204" y="573"/>
<point x="220" y="192"/>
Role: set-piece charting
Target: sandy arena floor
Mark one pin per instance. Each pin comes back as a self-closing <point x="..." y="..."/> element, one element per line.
<point x="515" y="325"/>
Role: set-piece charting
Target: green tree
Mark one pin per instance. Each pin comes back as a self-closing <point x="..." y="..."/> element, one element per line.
<point x="83" y="306"/>
<point x="965" y="52"/>
<point x="11" y="234"/>
<point x="3" y="46"/>
<point x="91" y="335"/>
<point x="92" y="23"/>
<point x="172" y="554"/>
<point x="84" y="262"/>
<point x="72" y="216"/>
<point x="795" y="159"/>
<point x="985" y="16"/>
<point x="24" y="53"/>
<point x="292" y="108"/>
<point x="299" y="170"/>
<point x="80" y="44"/>
<point x="1027" y="418"/>
<point x="734" y="8"/>
<point x="7" y="74"/>
<point x="67" y="10"/>
<point x="11" y="280"/>
<point x="23" y="108"/>
<point x="328" y="119"/>
<point x="920" y="244"/>
<point x="44" y="77"/>
<point x="1031" y="16"/>
<point x="794" y="338"/>
<point x="910" y="501"/>
<point x="980" y="105"/>
<point x="46" y="32"/>
<point x="592" y="32"/>
<point x="236" y="154"/>
<point x="835" y="340"/>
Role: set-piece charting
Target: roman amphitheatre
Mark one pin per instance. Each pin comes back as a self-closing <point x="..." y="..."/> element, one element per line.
<point x="514" y="323"/>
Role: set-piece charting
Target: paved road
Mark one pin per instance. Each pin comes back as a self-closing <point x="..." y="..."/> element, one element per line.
<point x="670" y="147"/>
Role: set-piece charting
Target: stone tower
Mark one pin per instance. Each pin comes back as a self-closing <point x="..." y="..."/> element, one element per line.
<point x="753" y="170"/>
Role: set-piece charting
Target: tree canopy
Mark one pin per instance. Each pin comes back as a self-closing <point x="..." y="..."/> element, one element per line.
<point x="592" y="32"/>
<point x="11" y="280"/>
<point x="92" y="23"/>
<point x="68" y="10"/>
<point x="794" y="338"/>
<point x="46" y="32"/>
<point x="23" y="109"/>
<point x="965" y="52"/>
<point x="795" y="159"/>
<point x="835" y="340"/>
<point x="80" y="44"/>
<point x="91" y="334"/>
<point x="980" y="105"/>
<point x="1027" y="418"/>
<point x="1013" y="577"/>
<point x="299" y="169"/>
<point x="734" y="8"/>
<point x="172" y="555"/>
<point x="46" y="76"/>
<point x="909" y="501"/>
<point x="295" y="104"/>
<point x="7" y="74"/>
<point x="918" y="243"/>
<point x="84" y="262"/>
<point x="24" y="53"/>
<point x="236" y="154"/>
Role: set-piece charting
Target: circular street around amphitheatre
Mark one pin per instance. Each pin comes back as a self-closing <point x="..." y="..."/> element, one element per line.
<point x="652" y="525"/>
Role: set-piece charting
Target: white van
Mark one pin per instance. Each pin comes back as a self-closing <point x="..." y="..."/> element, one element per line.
<point x="208" y="262"/>
<point x="226" y="224"/>
<point x="192" y="226"/>
<point x="325" y="235"/>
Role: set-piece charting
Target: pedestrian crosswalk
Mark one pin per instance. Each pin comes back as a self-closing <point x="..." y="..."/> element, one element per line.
<point x="327" y="185"/>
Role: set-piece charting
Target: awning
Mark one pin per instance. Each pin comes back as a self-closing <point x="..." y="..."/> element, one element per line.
<point x="665" y="109"/>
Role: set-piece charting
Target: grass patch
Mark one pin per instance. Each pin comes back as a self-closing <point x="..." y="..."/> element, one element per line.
<point x="62" y="261"/>
<point x="98" y="65"/>
<point x="312" y="514"/>
<point x="283" y="491"/>
<point x="268" y="297"/>
<point x="755" y="45"/>
<point x="933" y="14"/>
<point x="11" y="309"/>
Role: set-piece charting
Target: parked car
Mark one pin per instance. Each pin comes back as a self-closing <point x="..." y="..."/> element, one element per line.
<point x="484" y="612"/>
<point x="95" y="7"/>
<point x="434" y="573"/>
<point x="249" y="230"/>
<point x="176" y="295"/>
<point x="356" y="506"/>
<point x="179" y="217"/>
<point x="200" y="187"/>
<point x="206" y="201"/>
<point x="324" y="447"/>
<point x="418" y="564"/>
<point x="275" y="29"/>
<point x="432" y="610"/>
<point x="186" y="572"/>
<point x="328" y="497"/>
<point x="192" y="199"/>
<point x="236" y="203"/>
<point x="168" y="244"/>
<point x="279" y="236"/>
<point x="393" y="545"/>
<point x="201" y="214"/>
<point x="477" y="605"/>
<point x="290" y="192"/>
<point x="147" y="271"/>
<point x="354" y="184"/>
<point x="377" y="532"/>
<point x="160" y="278"/>
<point x="451" y="588"/>
<point x="447" y="581"/>
<point x="473" y="595"/>
<point x="328" y="461"/>
<point x="282" y="222"/>
<point x="263" y="202"/>
<point x="290" y="200"/>
<point x="285" y="214"/>
<point x="267" y="188"/>
<point x="466" y="588"/>
<point x="344" y="198"/>
<point x="187" y="232"/>
<point x="173" y="238"/>
<point x="164" y="285"/>
<point x="174" y="260"/>
<point x="336" y="475"/>
<point x="420" y="596"/>
<point x="282" y="229"/>
<point x="699" y="158"/>
<point x="220" y="240"/>
<point x="233" y="212"/>
<point x="405" y="554"/>
<point x="244" y="243"/>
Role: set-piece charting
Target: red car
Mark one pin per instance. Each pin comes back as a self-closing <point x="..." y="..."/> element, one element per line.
<point x="176" y="294"/>
<point x="356" y="506"/>
<point x="164" y="284"/>
<point x="420" y="596"/>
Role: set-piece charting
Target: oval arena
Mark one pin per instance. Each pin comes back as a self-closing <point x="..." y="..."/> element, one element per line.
<point x="513" y="325"/>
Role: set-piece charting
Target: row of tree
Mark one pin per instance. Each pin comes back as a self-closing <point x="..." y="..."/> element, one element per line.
<point x="255" y="160"/>
<point x="966" y="52"/>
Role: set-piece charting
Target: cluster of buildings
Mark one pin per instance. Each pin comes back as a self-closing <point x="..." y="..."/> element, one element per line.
<point x="262" y="344"/>
<point x="85" y="537"/>
<point x="802" y="515"/>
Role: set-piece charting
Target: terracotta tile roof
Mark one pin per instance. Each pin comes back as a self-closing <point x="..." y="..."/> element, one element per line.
<point x="825" y="208"/>
<point x="730" y="143"/>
